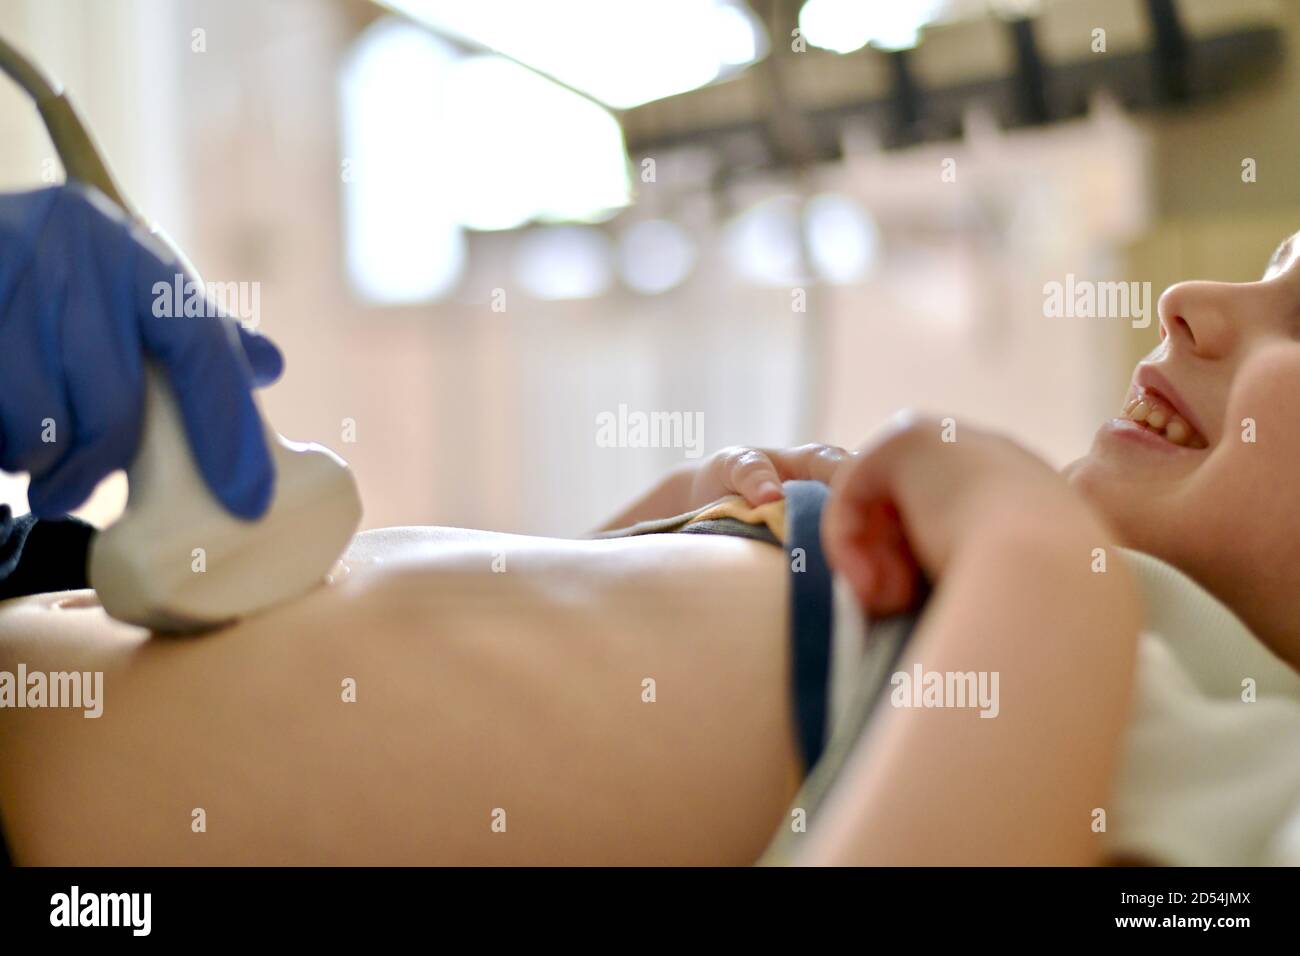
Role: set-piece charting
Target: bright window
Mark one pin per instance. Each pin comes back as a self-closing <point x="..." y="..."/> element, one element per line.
<point x="435" y="142"/>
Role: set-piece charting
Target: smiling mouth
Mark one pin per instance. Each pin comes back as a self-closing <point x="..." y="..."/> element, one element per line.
<point x="1154" y="413"/>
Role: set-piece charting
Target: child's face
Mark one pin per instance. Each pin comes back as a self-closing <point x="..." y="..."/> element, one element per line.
<point x="1214" y="488"/>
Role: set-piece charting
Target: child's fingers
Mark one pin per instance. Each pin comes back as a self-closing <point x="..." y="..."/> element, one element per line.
<point x="863" y="532"/>
<point x="860" y="485"/>
<point x="868" y="547"/>
<point x="858" y="568"/>
<point x="871" y="472"/>
<point x="757" y="473"/>
<point x="884" y="578"/>
<point x="810" y="462"/>
<point x="751" y="473"/>
<point x="899" y="588"/>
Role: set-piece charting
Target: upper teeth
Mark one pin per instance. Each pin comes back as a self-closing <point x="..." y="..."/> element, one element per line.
<point x="1156" y="414"/>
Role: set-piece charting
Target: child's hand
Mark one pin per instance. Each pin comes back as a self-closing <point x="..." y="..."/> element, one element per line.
<point x="756" y="473"/>
<point x="907" y="501"/>
<point x="753" y="473"/>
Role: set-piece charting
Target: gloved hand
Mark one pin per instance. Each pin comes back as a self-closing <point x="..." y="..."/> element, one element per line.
<point x="77" y="324"/>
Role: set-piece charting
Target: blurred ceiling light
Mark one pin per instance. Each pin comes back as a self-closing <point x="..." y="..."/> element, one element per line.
<point x="402" y="242"/>
<point x="655" y="255"/>
<point x="519" y="147"/>
<point x="843" y="241"/>
<point x="563" y="262"/>
<point x="622" y="52"/>
<point x="847" y="25"/>
<point x="740" y="37"/>
<point x="763" y="242"/>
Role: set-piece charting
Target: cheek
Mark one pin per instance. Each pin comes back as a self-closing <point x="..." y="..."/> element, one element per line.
<point x="1264" y="423"/>
<point x="1247" y="491"/>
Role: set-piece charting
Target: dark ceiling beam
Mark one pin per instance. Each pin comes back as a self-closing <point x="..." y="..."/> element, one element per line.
<point x="786" y="127"/>
<point x="1173" y="69"/>
<point x="1171" y="56"/>
<point x="1030" y="79"/>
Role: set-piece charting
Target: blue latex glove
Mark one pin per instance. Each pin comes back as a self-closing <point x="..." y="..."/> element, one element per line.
<point x="76" y="326"/>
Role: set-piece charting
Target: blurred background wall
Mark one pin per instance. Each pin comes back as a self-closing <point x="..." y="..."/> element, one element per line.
<point x="467" y="262"/>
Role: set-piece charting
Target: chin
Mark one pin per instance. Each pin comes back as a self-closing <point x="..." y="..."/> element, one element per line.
<point x="1071" y="471"/>
<point x="1091" y="478"/>
<point x="1110" y="495"/>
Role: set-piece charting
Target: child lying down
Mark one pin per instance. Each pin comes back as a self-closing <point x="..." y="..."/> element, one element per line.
<point x="1104" y="669"/>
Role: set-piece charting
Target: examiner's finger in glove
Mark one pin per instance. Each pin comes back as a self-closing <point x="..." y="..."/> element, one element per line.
<point x="265" y="359"/>
<point x="78" y="285"/>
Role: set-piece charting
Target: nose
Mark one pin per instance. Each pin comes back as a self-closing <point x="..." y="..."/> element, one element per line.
<point x="1202" y="317"/>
